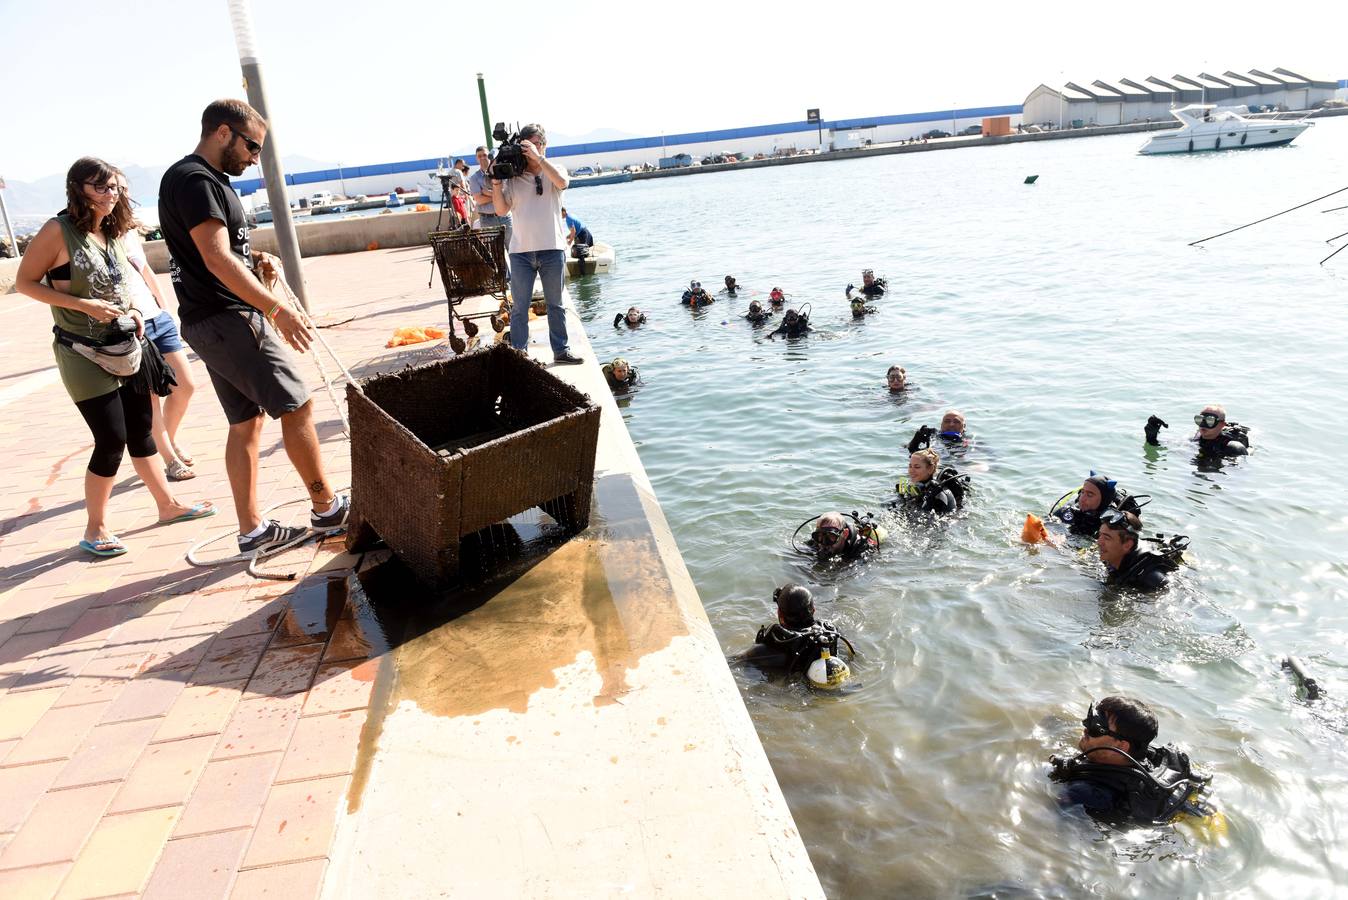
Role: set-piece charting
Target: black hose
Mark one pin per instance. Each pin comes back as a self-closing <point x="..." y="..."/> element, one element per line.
<point x="1266" y="218"/>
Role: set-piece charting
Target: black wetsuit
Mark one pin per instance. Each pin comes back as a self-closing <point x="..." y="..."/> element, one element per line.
<point x="1142" y="570"/>
<point x="700" y="297"/>
<point x="620" y="318"/>
<point x="1079" y="521"/>
<point x="859" y="541"/>
<point x="1150" y="793"/>
<point x="796" y="328"/>
<point x="941" y="494"/>
<point x="779" y="647"/>
<point x="1233" y="441"/>
<point x="619" y="387"/>
<point x="873" y="291"/>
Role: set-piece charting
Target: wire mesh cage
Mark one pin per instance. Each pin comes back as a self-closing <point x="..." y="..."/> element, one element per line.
<point x="471" y="262"/>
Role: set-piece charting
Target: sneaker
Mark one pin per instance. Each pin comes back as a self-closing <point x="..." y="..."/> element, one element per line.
<point x="335" y="520"/>
<point x="275" y="535"/>
<point x="565" y="358"/>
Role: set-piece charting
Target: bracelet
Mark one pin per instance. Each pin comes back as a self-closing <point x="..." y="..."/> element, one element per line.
<point x="271" y="313"/>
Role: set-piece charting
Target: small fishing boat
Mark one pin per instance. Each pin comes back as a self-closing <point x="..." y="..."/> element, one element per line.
<point x="601" y="178"/>
<point x="1210" y="127"/>
<point x="600" y="259"/>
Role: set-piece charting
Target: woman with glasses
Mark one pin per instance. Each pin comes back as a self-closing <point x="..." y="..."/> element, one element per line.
<point x="76" y="264"/>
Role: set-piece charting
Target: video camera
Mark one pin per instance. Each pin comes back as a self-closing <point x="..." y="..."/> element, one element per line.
<point x="510" y="161"/>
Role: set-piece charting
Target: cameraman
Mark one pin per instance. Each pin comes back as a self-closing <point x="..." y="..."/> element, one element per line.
<point x="479" y="186"/>
<point x="537" y="241"/>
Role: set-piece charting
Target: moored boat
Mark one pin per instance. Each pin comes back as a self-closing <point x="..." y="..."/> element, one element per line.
<point x="1210" y="127"/>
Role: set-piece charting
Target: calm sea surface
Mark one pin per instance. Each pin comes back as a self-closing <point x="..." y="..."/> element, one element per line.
<point x="1057" y="317"/>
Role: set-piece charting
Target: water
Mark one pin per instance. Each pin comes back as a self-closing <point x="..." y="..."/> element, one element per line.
<point x="1057" y="316"/>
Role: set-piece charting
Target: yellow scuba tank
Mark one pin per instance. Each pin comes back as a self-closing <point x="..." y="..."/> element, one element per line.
<point x="827" y="672"/>
<point x="1201" y="820"/>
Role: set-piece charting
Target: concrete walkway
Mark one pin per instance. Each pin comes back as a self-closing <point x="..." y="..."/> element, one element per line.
<point x="170" y="731"/>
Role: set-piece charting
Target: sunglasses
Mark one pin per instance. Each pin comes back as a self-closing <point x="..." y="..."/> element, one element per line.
<point x="1207" y="420"/>
<point x="1097" y="725"/>
<point x="538" y="185"/>
<point x="1117" y="520"/>
<point x="253" y="146"/>
<point x="103" y="190"/>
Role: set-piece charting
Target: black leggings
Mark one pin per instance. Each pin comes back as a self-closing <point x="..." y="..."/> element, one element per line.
<point x="119" y="419"/>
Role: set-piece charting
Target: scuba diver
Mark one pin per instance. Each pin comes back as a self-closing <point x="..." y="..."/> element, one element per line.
<point x="731" y="286"/>
<point x="696" y="295"/>
<point x="1216" y="437"/>
<point x="620" y="375"/>
<point x="897" y="379"/>
<point x="634" y="318"/>
<point x="859" y="308"/>
<point x="1129" y="566"/>
<point x="834" y="535"/>
<point x="930" y="488"/>
<point x="872" y="288"/>
<point x="1096" y="495"/>
<point x="951" y="433"/>
<point x="776" y="298"/>
<point x="794" y="324"/>
<point x="757" y="314"/>
<point x="799" y="642"/>
<point x="1119" y="777"/>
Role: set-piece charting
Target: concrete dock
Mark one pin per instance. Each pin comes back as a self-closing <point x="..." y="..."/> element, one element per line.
<point x="569" y="729"/>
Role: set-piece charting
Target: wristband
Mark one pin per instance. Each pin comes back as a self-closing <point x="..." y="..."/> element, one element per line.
<point x="271" y="313"/>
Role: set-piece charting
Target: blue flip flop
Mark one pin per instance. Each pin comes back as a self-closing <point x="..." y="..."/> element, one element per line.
<point x="200" y="510"/>
<point x="109" y="546"/>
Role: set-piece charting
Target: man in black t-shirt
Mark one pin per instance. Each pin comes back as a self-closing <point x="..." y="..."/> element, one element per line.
<point x="238" y="327"/>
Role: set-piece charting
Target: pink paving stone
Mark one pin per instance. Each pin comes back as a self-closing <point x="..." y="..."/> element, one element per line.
<point x="255" y="617"/>
<point x="164" y="775"/>
<point x="231" y="658"/>
<point x="6" y="748"/>
<point x="57" y="734"/>
<point x="36" y="883"/>
<point x="199" y="867"/>
<point x="200" y="710"/>
<point x="229" y="795"/>
<point x="287" y="671"/>
<point x="178" y="651"/>
<point x="119" y="856"/>
<point x="139" y="632"/>
<point x="349" y="642"/>
<point x="57" y="616"/>
<point x="20" y="712"/>
<point x="342" y="686"/>
<point x="297" y="822"/>
<point x="21" y="786"/>
<point x="323" y="746"/>
<point x="55" y="668"/>
<point x="102" y="680"/>
<point x="213" y="607"/>
<point x="20" y="651"/>
<point x="96" y="625"/>
<point x="57" y="827"/>
<point x="150" y="694"/>
<point x="10" y="627"/>
<point x="296" y="881"/>
<point x="260" y="726"/>
<point x="107" y="753"/>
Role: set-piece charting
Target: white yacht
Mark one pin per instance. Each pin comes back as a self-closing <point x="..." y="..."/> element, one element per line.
<point x="1210" y="127"/>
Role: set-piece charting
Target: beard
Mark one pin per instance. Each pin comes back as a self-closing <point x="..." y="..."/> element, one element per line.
<point x="233" y="162"/>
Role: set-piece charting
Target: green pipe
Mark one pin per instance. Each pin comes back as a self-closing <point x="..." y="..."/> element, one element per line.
<point x="486" y="118"/>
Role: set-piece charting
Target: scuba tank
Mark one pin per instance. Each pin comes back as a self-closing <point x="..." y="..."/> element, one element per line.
<point x="1161" y="788"/>
<point x="827" y="672"/>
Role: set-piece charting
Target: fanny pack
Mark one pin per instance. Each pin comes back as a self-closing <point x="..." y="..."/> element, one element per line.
<point x="118" y="356"/>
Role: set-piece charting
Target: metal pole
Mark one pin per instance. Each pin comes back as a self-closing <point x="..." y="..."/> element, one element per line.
<point x="486" y="118"/>
<point x="9" y="229"/>
<point x="287" y="242"/>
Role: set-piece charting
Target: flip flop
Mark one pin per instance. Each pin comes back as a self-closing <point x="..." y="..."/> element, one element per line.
<point x="200" y="510"/>
<point x="109" y="546"/>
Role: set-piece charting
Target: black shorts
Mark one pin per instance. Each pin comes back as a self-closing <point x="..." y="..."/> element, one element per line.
<point x="251" y="367"/>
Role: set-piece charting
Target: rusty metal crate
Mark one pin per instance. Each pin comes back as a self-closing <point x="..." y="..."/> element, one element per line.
<point x="472" y="262"/>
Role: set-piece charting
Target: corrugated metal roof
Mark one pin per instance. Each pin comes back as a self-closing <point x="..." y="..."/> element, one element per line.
<point x="1072" y="94"/>
<point x="1263" y="79"/>
<point x="1127" y="89"/>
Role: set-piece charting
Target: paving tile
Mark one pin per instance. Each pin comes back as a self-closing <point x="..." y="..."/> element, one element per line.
<point x="342" y="686"/>
<point x="214" y="606"/>
<point x="20" y="712"/>
<point x="230" y="794"/>
<point x="260" y="616"/>
<point x="164" y="775"/>
<point x="260" y="726"/>
<point x="296" y="881"/>
<point x="139" y="632"/>
<point x="198" y="868"/>
<point x="20" y="652"/>
<point x="322" y="746"/>
<point x="95" y="625"/>
<point x="286" y="671"/>
<point x="297" y="822"/>
<point x="200" y="709"/>
<point x="150" y="694"/>
<point x="107" y="753"/>
<point x="20" y="788"/>
<point x="179" y="650"/>
<point x="58" y="826"/>
<point x="120" y="854"/>
<point x="9" y="627"/>
<point x="349" y="641"/>
<point x="55" y="668"/>
<point x="231" y="658"/>
<point x="58" y="616"/>
<point x="57" y="734"/>
<point x="102" y="680"/>
<point x="36" y="883"/>
<point x="6" y="748"/>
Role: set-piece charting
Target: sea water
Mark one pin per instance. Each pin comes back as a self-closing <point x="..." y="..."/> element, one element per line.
<point x="1057" y="316"/>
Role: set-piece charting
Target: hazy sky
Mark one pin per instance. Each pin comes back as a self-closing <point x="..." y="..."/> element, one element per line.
<point x="392" y="80"/>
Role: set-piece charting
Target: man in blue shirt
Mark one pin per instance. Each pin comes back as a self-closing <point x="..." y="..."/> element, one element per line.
<point x="577" y="234"/>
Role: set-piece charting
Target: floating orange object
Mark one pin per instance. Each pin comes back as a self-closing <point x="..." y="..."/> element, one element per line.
<point x="403" y="336"/>
<point x="1034" y="531"/>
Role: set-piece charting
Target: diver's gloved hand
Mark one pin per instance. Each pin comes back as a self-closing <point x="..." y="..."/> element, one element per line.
<point x="617" y="320"/>
<point x="850" y="289"/>
<point x="921" y="439"/>
<point x="1153" y="429"/>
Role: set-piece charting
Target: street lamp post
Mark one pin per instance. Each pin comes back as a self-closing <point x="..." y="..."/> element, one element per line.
<point x="287" y="242"/>
<point x="9" y="229"/>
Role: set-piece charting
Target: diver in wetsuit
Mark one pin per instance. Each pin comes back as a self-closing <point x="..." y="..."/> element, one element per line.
<point x="1128" y="565"/>
<point x="757" y="314"/>
<point x="696" y="295"/>
<point x="952" y="434"/>
<point x="776" y="298"/>
<point x="794" y="324"/>
<point x="930" y="488"/>
<point x="1096" y="495"/>
<point x="896" y="378"/>
<point x="731" y="286"/>
<point x="797" y="639"/>
<point x="872" y="288"/>
<point x="633" y="319"/>
<point x="835" y="536"/>
<point x="859" y="308"/>
<point x="1216" y="437"/>
<point x="620" y="375"/>
<point x="1119" y="777"/>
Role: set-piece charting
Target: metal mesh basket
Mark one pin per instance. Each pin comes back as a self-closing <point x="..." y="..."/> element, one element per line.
<point x="471" y="262"/>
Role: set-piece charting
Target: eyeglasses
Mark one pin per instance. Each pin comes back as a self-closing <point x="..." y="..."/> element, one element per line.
<point x="1096" y="725"/>
<point x="253" y="146"/>
<point x="1207" y="420"/>
<point x="1118" y="520"/>
<point x="103" y="190"/>
<point x="538" y="185"/>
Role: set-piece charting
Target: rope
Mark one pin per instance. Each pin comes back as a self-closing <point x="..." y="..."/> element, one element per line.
<point x="1266" y="218"/>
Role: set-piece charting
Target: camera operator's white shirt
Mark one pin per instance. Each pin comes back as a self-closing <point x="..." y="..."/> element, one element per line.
<point x="537" y="218"/>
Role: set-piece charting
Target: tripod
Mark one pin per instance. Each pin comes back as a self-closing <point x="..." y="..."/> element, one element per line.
<point x="445" y="206"/>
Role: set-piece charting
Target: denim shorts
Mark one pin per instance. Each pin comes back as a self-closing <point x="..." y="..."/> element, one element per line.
<point x="162" y="331"/>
